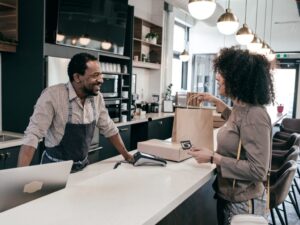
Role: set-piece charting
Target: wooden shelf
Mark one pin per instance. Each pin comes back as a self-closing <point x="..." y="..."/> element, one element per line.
<point x="146" y="65"/>
<point x="7" y="47"/>
<point x="146" y="42"/>
<point x="144" y="50"/>
<point x="115" y="73"/>
<point x="9" y="25"/>
<point x="6" y="6"/>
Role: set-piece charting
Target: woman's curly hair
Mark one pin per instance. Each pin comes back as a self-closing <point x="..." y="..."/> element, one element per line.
<point x="247" y="76"/>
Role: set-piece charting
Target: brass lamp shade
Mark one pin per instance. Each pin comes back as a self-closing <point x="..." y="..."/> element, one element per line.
<point x="184" y="56"/>
<point x="228" y="23"/>
<point x="244" y="35"/>
<point x="255" y="44"/>
<point x="265" y="49"/>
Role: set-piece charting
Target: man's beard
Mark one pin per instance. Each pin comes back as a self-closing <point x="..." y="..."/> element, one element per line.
<point x="89" y="92"/>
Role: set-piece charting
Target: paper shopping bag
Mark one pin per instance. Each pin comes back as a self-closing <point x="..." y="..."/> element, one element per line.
<point x="194" y="124"/>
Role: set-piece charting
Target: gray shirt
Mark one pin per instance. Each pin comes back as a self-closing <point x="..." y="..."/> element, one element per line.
<point x="252" y="125"/>
<point x="51" y="115"/>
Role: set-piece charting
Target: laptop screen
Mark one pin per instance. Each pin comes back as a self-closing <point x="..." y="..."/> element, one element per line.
<point x="23" y="184"/>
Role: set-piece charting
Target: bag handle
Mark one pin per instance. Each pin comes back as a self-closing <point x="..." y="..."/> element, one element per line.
<point x="237" y="158"/>
<point x="268" y="177"/>
<point x="193" y="95"/>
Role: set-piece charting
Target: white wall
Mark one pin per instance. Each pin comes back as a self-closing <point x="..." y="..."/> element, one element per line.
<point x="0" y="92"/>
<point x="148" y="81"/>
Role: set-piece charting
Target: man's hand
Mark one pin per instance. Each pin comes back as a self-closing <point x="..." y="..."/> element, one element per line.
<point x="129" y="158"/>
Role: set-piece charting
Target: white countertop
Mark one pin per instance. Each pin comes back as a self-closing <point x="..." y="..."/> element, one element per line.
<point x="127" y="195"/>
<point x="146" y="117"/>
<point x="11" y="143"/>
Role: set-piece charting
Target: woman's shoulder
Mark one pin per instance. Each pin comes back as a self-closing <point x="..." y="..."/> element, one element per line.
<point x="256" y="114"/>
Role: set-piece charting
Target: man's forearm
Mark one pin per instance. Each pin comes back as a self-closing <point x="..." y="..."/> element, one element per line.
<point x="25" y="155"/>
<point x="117" y="142"/>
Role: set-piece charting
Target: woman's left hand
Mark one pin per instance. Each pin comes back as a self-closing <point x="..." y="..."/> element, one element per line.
<point x="201" y="155"/>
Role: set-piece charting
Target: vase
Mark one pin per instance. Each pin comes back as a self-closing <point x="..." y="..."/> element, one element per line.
<point x="153" y="40"/>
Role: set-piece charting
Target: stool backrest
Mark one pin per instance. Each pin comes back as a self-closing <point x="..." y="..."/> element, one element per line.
<point x="290" y="125"/>
<point x="280" y="182"/>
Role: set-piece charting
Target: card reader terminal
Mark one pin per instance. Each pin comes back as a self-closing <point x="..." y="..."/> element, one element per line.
<point x="141" y="159"/>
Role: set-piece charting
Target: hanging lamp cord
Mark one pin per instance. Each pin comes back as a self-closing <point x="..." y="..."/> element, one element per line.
<point x="272" y="7"/>
<point x="265" y="19"/>
<point x="256" y="16"/>
<point x="245" y="12"/>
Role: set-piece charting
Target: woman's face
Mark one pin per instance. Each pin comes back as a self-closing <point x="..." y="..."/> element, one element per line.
<point x="221" y="84"/>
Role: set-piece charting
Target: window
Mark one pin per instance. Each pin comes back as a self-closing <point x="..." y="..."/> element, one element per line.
<point x="179" y="68"/>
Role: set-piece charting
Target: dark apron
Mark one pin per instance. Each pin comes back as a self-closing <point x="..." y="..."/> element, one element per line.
<point x="74" y="144"/>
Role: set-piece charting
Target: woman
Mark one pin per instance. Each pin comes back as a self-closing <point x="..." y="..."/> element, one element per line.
<point x="246" y="79"/>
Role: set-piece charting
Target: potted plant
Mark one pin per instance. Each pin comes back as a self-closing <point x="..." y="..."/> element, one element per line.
<point x="168" y="103"/>
<point x="152" y="37"/>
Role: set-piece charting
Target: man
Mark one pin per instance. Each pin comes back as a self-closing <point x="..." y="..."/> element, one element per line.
<point x="66" y="115"/>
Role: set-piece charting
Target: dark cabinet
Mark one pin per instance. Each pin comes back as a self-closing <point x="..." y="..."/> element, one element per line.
<point x="94" y="154"/>
<point x="160" y="129"/>
<point x="108" y="149"/>
<point x="9" y="157"/>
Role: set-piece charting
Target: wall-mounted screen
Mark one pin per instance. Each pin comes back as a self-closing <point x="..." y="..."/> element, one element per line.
<point x="94" y="24"/>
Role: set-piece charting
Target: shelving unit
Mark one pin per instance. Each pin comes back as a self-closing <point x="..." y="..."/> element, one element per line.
<point x="146" y="54"/>
<point x="31" y="61"/>
<point x="9" y="25"/>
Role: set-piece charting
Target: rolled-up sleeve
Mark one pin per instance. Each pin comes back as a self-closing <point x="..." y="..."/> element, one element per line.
<point x="105" y="124"/>
<point x="40" y="120"/>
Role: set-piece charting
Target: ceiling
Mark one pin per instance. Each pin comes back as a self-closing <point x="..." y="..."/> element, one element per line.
<point x="280" y="12"/>
<point x="279" y="26"/>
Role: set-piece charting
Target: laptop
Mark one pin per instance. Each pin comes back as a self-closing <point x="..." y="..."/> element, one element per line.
<point x="23" y="184"/>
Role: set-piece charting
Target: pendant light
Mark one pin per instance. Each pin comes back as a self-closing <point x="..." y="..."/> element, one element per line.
<point x="244" y="35"/>
<point x="271" y="56"/>
<point x="256" y="43"/>
<point x="184" y="56"/>
<point x="106" y="45"/>
<point x="84" y="40"/>
<point x="201" y="9"/>
<point x="60" y="37"/>
<point x="228" y="23"/>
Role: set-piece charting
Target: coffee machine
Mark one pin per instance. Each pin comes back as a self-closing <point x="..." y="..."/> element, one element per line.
<point x="154" y="106"/>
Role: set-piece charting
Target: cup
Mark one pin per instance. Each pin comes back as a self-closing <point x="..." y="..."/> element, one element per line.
<point x="124" y="94"/>
<point x="123" y="106"/>
<point x="136" y="58"/>
<point x="124" y="118"/>
<point x="280" y="108"/>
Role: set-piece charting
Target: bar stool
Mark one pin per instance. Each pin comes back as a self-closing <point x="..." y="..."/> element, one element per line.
<point x="294" y="139"/>
<point x="280" y="183"/>
<point x="279" y="158"/>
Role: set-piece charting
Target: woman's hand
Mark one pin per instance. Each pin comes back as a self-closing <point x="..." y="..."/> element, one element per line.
<point x="220" y="105"/>
<point x="201" y="155"/>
